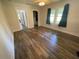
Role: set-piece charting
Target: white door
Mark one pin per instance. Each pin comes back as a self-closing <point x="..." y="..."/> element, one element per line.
<point x="22" y="19"/>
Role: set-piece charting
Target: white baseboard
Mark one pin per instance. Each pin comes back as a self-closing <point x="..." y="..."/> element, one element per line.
<point x="74" y="34"/>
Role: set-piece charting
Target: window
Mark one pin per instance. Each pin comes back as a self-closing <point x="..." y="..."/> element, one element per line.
<point x="56" y="15"/>
<point x="59" y="15"/>
<point x="52" y="16"/>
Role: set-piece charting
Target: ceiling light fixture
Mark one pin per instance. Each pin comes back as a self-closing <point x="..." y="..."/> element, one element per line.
<point x="41" y="3"/>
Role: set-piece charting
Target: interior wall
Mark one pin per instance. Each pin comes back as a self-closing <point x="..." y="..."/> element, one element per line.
<point x="29" y="13"/>
<point x="11" y="15"/>
<point x="6" y="38"/>
<point x="73" y="17"/>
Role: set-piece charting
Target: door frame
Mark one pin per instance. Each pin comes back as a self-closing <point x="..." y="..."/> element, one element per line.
<point x="25" y="20"/>
<point x="38" y="17"/>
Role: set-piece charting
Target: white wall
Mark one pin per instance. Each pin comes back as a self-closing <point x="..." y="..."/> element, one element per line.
<point x="6" y="38"/>
<point x="29" y="14"/>
<point x="11" y="15"/>
<point x="73" y="17"/>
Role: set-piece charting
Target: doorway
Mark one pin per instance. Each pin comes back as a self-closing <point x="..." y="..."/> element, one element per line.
<point x="35" y="17"/>
<point x="22" y="19"/>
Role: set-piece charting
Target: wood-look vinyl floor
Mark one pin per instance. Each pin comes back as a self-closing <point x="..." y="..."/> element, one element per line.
<point x="42" y="43"/>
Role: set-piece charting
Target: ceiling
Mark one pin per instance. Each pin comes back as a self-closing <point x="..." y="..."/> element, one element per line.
<point x="35" y="2"/>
